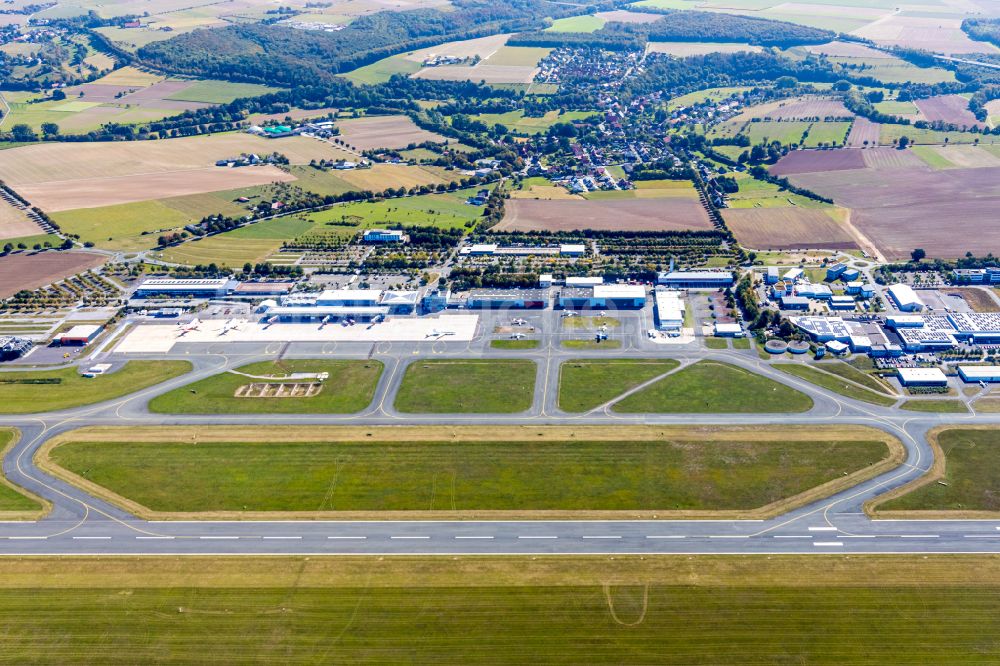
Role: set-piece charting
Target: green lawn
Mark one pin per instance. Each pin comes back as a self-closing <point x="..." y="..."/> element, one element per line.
<point x="681" y="474"/>
<point x="516" y="120"/>
<point x="741" y="343"/>
<point x="220" y="92"/>
<point x="710" y="387"/>
<point x="514" y="344"/>
<point x="582" y="23"/>
<point x="936" y="406"/>
<point x="73" y="390"/>
<point x="818" y="609"/>
<point x="467" y="386"/>
<point x="716" y="343"/>
<point x="896" y="108"/>
<point x="590" y="322"/>
<point x="972" y="475"/>
<point x="585" y="384"/>
<point x="12" y="499"/>
<point x="350" y="388"/>
<point x="592" y="344"/>
<point x="383" y="70"/>
<point x="445" y="211"/>
<point x="855" y="375"/>
<point x="834" y="383"/>
<point x="252" y="243"/>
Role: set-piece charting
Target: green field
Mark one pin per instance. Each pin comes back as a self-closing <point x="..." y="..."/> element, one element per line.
<point x="888" y="133"/>
<point x="971" y="475"/>
<point x="514" y="344"/>
<point x="786" y="132"/>
<point x="586" y="384"/>
<point x="855" y="375"/>
<point x="467" y="386"/>
<point x="130" y="226"/>
<point x="220" y="92"/>
<point x="935" y="406"/>
<point x="383" y="70"/>
<point x="516" y="121"/>
<point x="12" y="499"/>
<point x="932" y="157"/>
<point x="709" y="95"/>
<point x="588" y="323"/>
<point x="716" y="343"/>
<point x="713" y="387"/>
<point x="828" y="133"/>
<point x="665" y="474"/>
<point x="590" y="344"/>
<point x="897" y="108"/>
<point x="582" y="23"/>
<point x="350" y="388"/>
<point x="816" y="609"/>
<point x="834" y="383"/>
<point x="74" y="390"/>
<point x="445" y="211"/>
<point x="518" y="56"/>
<point x="252" y="243"/>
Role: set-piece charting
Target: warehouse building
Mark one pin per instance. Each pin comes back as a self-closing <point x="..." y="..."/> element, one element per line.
<point x="584" y="281"/>
<point x="728" y="330"/>
<point x="696" y="279"/>
<point x="979" y="373"/>
<point x="265" y="289"/>
<point x="497" y="299"/>
<point x="188" y="288"/>
<point x="771" y="276"/>
<point x="842" y="303"/>
<point x="794" y="303"/>
<point x="921" y="377"/>
<point x="793" y="274"/>
<point x="383" y="236"/>
<point x="819" y="292"/>
<point x="905" y="298"/>
<point x="669" y="310"/>
<point x="80" y="335"/>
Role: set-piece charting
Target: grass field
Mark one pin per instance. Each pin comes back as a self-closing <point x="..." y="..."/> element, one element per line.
<point x="716" y="343"/>
<point x="583" y="23"/>
<point x="935" y="406"/>
<point x="970" y="476"/>
<point x="516" y="121"/>
<point x="586" y="384"/>
<point x="467" y="386"/>
<point x="713" y="387"/>
<point x="13" y="500"/>
<point x="219" y="92"/>
<point x="349" y="389"/>
<point x="383" y="70"/>
<point x="711" y="94"/>
<point x="835" y="384"/>
<point x="855" y="375"/>
<point x="446" y="211"/>
<point x="74" y="390"/>
<point x="514" y="344"/>
<point x="590" y="344"/>
<point x="698" y="473"/>
<point x="818" y="609"/>
<point x="251" y="243"/>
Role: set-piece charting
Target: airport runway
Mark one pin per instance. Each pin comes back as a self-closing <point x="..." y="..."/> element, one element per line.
<point x="81" y="524"/>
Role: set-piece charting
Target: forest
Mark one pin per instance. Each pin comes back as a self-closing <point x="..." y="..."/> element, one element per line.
<point x="984" y="30"/>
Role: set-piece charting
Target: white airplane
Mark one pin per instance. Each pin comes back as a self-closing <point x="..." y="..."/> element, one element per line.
<point x="517" y="336"/>
<point x="519" y="322"/>
<point x="568" y="314"/>
<point x="190" y="326"/>
<point x="229" y="325"/>
<point x="323" y="322"/>
<point x="439" y="334"/>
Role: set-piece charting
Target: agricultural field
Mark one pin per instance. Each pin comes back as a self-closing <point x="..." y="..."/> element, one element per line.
<point x="252" y="243"/>
<point x="701" y="96"/>
<point x="890" y="134"/>
<point x="897" y="199"/>
<point x="516" y="121"/>
<point x="863" y="133"/>
<point x="788" y="228"/>
<point x="24" y="393"/>
<point x="953" y="109"/>
<point x="583" y="23"/>
<point x="893" y="70"/>
<point x="672" y="213"/>
<point x="807" y="161"/>
<point x="506" y="64"/>
<point x="350" y="388"/>
<point x="965" y="481"/>
<point x="713" y="387"/>
<point x="467" y="386"/>
<point x="446" y="211"/>
<point x="473" y="610"/>
<point x="398" y="478"/>
<point x="30" y="271"/>
<point x="585" y="384"/>
<point x="381" y="71"/>
<point x="412" y="63"/>
<point x="797" y="108"/>
<point x="373" y="132"/>
<point x="962" y="156"/>
<point x="896" y="108"/>
<point x="15" y="223"/>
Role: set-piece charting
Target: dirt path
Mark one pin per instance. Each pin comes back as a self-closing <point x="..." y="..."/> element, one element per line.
<point x="863" y="241"/>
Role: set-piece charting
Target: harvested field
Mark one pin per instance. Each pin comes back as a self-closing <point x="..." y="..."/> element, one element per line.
<point x="30" y="271"/>
<point x="863" y="133"/>
<point x="901" y="207"/>
<point x="384" y="132"/>
<point x="796" y="108"/>
<point x="837" y="49"/>
<point x="891" y="158"/>
<point x="952" y="109"/>
<point x="937" y="34"/>
<point x="685" y="49"/>
<point x="979" y="299"/>
<point x="667" y="214"/>
<point x="94" y="192"/>
<point x="483" y="47"/>
<point x="14" y="222"/>
<point x="807" y="161"/>
<point x="481" y="72"/>
<point x="787" y="228"/>
<point x="957" y="157"/>
<point x="622" y="16"/>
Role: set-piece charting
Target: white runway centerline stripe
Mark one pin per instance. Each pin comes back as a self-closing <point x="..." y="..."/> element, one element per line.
<point x="822" y="529"/>
<point x="793" y="536"/>
<point x="154" y="537"/>
<point x="664" y="536"/>
<point x="728" y="537"/>
<point x="27" y="537"/>
<point x="919" y="536"/>
<point x="827" y="543"/>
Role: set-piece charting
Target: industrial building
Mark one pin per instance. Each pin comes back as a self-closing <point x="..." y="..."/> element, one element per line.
<point x="835" y="271"/>
<point x="602" y="296"/>
<point x="979" y="373"/>
<point x="921" y="377"/>
<point x="696" y="279"/>
<point x="80" y="335"/>
<point x="12" y="347"/>
<point x="584" y="281"/>
<point x="669" y="310"/>
<point x="794" y="303"/>
<point x="988" y="275"/>
<point x="850" y="275"/>
<point x="819" y="292"/>
<point x="189" y="288"/>
<point x="771" y="276"/>
<point x="728" y="330"/>
<point x="842" y="303"/>
<point x="861" y="336"/>
<point x="496" y="299"/>
<point x="383" y="236"/>
<point x="254" y="289"/>
<point x="905" y="298"/>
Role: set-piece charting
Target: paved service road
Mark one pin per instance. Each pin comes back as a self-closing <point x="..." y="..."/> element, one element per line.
<point x="82" y="524"/>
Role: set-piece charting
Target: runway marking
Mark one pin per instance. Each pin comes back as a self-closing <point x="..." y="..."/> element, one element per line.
<point x="281" y="537"/>
<point x="347" y="537"/>
<point x="599" y="537"/>
<point x="982" y="536"/>
<point x="822" y="529"/>
<point x="409" y="537"/>
<point x="23" y="538"/>
<point x="91" y="537"/>
<point x="827" y="543"/>
<point x="473" y="537"/>
<point x="154" y="537"/>
<point x="664" y="536"/>
<point x="537" y="537"/>
<point x="218" y="537"/>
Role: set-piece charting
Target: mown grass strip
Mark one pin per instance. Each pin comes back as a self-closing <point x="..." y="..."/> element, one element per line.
<point x="835" y="384"/>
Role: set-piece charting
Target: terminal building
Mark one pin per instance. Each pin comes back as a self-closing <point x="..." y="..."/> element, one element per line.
<point x="603" y="297"/>
<point x="696" y="279"/>
<point x="498" y="299"/>
<point x="187" y="288"/>
<point x="338" y="305"/>
<point x="669" y="310"/>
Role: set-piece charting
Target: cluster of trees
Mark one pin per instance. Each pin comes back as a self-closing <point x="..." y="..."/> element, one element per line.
<point x="283" y="56"/>
<point x="474" y="278"/>
<point x="983" y="29"/>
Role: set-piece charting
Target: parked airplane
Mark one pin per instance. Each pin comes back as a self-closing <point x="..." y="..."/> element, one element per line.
<point x="190" y="326"/>
<point x="439" y="334"/>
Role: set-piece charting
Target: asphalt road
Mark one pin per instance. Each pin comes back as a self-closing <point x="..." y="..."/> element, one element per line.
<point x="82" y="524"/>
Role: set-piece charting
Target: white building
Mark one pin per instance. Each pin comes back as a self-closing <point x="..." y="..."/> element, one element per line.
<point x="905" y="298"/>
<point x="728" y="330"/>
<point x="921" y="377"/>
<point x="584" y="281"/>
<point x="669" y="310"/>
